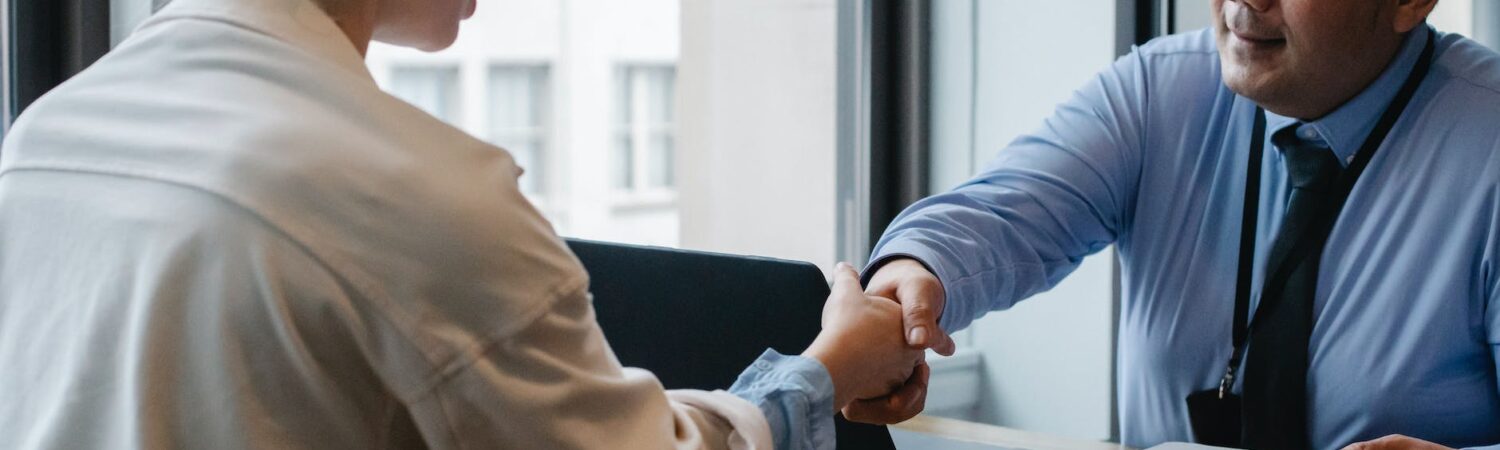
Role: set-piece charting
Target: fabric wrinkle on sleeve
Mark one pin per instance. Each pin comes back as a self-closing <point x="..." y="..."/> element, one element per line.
<point x="558" y="385"/>
<point x="795" y="393"/>
<point x="1492" y="310"/>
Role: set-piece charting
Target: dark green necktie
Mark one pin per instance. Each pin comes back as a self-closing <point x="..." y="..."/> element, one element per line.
<point x="1275" y="408"/>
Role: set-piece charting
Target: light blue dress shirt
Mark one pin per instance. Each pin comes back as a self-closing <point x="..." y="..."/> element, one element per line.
<point x="796" y="395"/>
<point x="1151" y="156"/>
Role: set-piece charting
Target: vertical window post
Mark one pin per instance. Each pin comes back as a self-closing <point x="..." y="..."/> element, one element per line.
<point x="900" y="124"/>
<point x="884" y="120"/>
<point x="57" y="39"/>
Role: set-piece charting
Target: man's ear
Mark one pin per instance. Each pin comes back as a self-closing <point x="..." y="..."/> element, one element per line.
<point x="1411" y="13"/>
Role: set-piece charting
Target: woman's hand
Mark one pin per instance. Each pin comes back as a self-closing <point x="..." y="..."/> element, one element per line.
<point x="862" y="344"/>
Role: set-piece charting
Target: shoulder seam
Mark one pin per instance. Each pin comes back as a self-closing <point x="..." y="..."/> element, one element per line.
<point x="1467" y="80"/>
<point x="443" y="370"/>
<point x="575" y="285"/>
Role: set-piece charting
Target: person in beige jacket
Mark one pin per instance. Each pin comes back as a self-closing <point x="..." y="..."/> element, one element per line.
<point x="224" y="235"/>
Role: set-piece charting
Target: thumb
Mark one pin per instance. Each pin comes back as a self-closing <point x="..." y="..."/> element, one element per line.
<point x="919" y="315"/>
<point x="845" y="281"/>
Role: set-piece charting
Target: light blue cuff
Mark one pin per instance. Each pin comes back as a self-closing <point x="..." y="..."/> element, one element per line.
<point x="796" y="395"/>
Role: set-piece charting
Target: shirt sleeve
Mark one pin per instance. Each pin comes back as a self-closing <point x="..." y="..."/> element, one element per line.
<point x="558" y="385"/>
<point x="795" y="394"/>
<point x="1492" y="323"/>
<point x="1038" y="208"/>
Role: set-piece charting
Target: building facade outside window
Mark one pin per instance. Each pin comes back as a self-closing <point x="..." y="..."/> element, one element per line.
<point x="547" y="82"/>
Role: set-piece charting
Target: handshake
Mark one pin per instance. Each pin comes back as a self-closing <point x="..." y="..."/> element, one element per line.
<point x="873" y="341"/>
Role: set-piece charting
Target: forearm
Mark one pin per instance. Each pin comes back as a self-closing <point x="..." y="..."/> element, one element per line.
<point x="989" y="249"/>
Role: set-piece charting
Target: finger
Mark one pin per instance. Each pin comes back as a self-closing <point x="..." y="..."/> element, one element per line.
<point x="881" y="287"/>
<point x="945" y="346"/>
<point x="903" y="404"/>
<point x="845" y="280"/>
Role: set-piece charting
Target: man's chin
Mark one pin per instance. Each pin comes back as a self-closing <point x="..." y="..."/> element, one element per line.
<point x="1249" y="82"/>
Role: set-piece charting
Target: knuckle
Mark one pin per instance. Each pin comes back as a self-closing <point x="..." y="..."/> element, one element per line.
<point x="917" y="309"/>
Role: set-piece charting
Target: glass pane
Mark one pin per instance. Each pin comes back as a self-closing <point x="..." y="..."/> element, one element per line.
<point x="659" y="172"/>
<point x="660" y="94"/>
<point x="624" y="96"/>
<point x="622" y="165"/>
<point x="434" y="89"/>
<point x="517" y="110"/>
<point x="516" y="98"/>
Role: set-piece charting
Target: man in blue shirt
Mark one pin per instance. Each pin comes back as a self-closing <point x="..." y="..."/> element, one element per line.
<point x="1154" y="156"/>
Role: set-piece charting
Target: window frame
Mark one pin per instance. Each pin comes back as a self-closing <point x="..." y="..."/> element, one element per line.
<point x="637" y="127"/>
<point x="58" y="39"/>
<point x="542" y="132"/>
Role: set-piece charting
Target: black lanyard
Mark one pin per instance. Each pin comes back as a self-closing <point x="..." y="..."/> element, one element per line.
<point x="1277" y="274"/>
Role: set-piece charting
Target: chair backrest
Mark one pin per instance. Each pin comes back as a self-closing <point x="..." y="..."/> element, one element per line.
<point x="697" y="319"/>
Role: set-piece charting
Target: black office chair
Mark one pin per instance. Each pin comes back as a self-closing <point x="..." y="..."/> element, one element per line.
<point x="698" y="319"/>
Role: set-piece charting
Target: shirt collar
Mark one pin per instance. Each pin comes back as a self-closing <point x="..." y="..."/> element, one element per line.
<point x="300" y="23"/>
<point x="1345" y="129"/>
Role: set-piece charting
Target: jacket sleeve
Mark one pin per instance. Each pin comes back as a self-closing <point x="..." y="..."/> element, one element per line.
<point x="558" y="385"/>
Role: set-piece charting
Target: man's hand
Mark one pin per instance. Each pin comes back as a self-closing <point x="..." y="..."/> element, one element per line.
<point x="1396" y="442"/>
<point x="921" y="297"/>
<point x="861" y="343"/>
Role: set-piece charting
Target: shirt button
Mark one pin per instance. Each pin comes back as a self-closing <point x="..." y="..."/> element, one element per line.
<point x="1308" y="133"/>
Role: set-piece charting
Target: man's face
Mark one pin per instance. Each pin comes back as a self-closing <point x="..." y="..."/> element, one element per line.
<point x="1303" y="58"/>
<point x="424" y="24"/>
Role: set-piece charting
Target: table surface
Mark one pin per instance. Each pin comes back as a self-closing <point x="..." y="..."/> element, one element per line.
<point x="938" y="432"/>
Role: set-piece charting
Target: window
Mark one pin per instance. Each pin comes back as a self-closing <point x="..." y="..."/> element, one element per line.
<point x="645" y="136"/>
<point x="518" y="109"/>
<point x="991" y="82"/>
<point x="434" y="89"/>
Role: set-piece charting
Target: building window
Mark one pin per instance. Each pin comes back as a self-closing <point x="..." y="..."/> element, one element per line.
<point x="432" y="88"/>
<point x="518" y="110"/>
<point x="646" y="134"/>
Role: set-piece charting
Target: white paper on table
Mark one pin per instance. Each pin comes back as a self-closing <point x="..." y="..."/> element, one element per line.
<point x="1184" y="446"/>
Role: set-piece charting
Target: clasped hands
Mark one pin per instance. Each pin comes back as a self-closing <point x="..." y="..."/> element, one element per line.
<point x="874" y="341"/>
